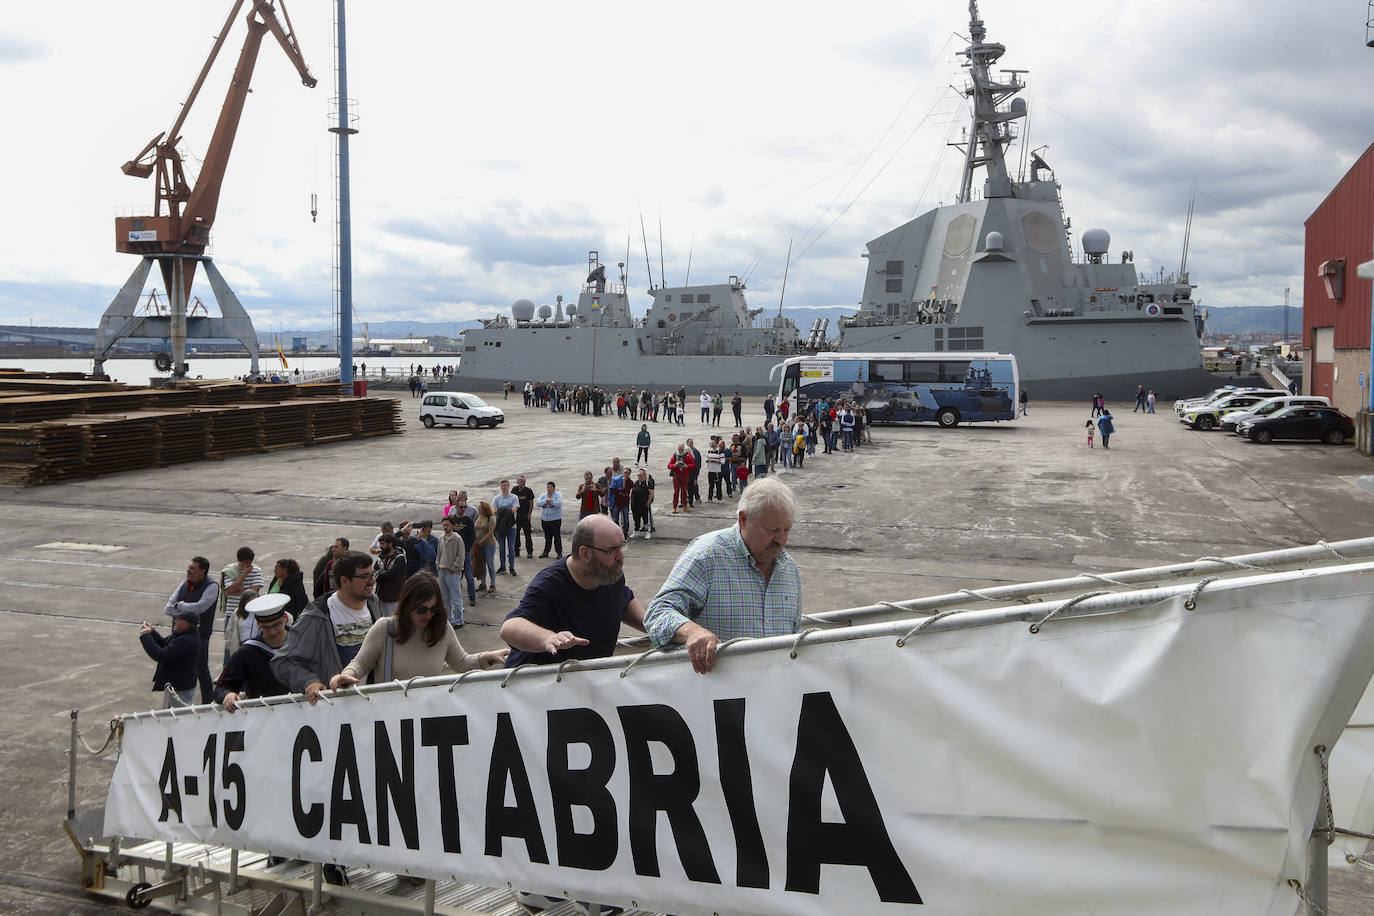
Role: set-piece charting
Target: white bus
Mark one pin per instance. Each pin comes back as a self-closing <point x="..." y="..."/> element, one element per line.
<point x="945" y="388"/>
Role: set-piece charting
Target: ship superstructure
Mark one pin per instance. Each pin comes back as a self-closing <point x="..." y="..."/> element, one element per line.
<point x="996" y="271"/>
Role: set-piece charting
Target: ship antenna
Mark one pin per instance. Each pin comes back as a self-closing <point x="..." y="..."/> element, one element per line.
<point x="787" y="266"/>
<point x="662" y="271"/>
<point x="644" y="236"/>
<point x="1188" y="234"/>
<point x="690" y="245"/>
<point x="990" y="132"/>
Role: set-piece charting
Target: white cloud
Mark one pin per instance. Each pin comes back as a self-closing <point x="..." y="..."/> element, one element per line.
<point x="498" y="144"/>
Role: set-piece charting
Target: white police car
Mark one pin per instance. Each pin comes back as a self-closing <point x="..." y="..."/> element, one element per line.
<point x="450" y="407"/>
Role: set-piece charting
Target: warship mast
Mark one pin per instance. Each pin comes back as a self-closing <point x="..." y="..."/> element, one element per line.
<point x="990" y="133"/>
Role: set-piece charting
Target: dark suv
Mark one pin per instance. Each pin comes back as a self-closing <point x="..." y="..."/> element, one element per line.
<point x="1326" y="424"/>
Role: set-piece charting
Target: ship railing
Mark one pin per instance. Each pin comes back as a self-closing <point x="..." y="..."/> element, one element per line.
<point x="607" y="289"/>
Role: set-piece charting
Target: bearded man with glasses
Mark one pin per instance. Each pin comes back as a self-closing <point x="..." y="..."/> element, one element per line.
<point x="574" y="608"/>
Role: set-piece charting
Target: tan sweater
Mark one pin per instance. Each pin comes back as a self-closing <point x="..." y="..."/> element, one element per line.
<point x="411" y="658"/>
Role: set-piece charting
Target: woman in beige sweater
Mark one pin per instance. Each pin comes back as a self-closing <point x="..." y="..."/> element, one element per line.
<point x="421" y="641"/>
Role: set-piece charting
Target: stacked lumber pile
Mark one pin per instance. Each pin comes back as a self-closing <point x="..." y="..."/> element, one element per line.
<point x="54" y="429"/>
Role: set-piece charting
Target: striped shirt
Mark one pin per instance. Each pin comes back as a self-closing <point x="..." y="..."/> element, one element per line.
<point x="717" y="583"/>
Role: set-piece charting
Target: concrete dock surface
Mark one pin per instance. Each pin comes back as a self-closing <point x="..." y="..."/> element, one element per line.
<point x="919" y="511"/>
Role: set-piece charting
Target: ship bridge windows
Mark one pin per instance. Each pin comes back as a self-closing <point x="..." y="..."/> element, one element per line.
<point x="894" y="284"/>
<point x="894" y="309"/>
<point x="894" y="268"/>
<point x="965" y="338"/>
<point x="687" y="299"/>
<point x="703" y="298"/>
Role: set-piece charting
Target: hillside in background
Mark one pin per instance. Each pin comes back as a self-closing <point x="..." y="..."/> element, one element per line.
<point x="1253" y="319"/>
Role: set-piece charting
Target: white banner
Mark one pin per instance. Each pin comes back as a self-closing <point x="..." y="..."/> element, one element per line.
<point x="1153" y="760"/>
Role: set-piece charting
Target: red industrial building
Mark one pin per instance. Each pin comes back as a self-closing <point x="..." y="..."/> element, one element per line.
<point x="1335" y="299"/>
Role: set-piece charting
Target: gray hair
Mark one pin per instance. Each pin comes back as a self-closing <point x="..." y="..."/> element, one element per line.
<point x="768" y="493"/>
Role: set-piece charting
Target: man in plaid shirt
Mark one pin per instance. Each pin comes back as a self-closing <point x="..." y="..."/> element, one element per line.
<point x="739" y="581"/>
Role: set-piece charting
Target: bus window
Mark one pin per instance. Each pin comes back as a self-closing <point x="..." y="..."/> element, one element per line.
<point x="791" y="376"/>
<point x="884" y="372"/>
<point x="953" y="372"/>
<point x="923" y="371"/>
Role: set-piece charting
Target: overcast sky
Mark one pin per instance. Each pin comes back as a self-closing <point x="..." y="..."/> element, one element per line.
<point x="500" y="142"/>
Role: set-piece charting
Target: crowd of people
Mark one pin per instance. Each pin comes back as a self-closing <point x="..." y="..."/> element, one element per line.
<point x="394" y="611"/>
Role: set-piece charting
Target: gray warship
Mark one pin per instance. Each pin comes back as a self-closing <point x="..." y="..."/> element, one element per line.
<point x="994" y="271"/>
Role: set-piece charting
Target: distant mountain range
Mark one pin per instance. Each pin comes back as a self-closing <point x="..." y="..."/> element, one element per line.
<point x="1254" y="319"/>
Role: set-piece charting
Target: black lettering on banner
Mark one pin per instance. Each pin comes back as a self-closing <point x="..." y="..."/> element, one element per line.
<point x="737" y="784"/>
<point x="395" y="784"/>
<point x="445" y="733"/>
<point x="308" y="822"/>
<point x="672" y="793"/>
<point x="207" y="762"/>
<point x="168" y="784"/>
<point x="232" y="775"/>
<point x="825" y="746"/>
<point x="522" y="820"/>
<point x="585" y="788"/>
<point x="347" y="809"/>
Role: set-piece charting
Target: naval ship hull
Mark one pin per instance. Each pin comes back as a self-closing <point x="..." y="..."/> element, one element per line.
<point x="586" y="356"/>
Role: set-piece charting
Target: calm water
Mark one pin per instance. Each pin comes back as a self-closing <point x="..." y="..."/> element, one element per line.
<point x="138" y="371"/>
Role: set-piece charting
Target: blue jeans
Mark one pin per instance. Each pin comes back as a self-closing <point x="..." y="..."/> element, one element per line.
<point x="621" y="516"/>
<point x="451" y="587"/>
<point x="489" y="552"/>
<point x="467" y="575"/>
<point x="177" y="698"/>
<point x="510" y="547"/>
<point x="848" y="439"/>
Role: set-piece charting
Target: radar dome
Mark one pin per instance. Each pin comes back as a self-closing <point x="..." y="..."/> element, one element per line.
<point x="993" y="242"/>
<point x="571" y="309"/>
<point x="545" y="311"/>
<point x="1018" y="106"/>
<point x="1096" y="241"/>
<point x="522" y="310"/>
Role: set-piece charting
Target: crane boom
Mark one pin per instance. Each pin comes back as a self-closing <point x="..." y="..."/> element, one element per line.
<point x="183" y="215"/>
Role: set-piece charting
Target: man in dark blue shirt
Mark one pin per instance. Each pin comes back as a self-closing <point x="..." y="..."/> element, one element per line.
<point x="574" y="608"/>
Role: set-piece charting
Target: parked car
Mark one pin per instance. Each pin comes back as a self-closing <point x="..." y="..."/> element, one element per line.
<point x="1230" y="421"/>
<point x="450" y="407"/>
<point x="1209" y="416"/>
<point x="1326" y="424"/>
<point x="1219" y="394"/>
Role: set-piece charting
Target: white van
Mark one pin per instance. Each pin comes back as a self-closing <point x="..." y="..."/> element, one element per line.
<point x="450" y="407"/>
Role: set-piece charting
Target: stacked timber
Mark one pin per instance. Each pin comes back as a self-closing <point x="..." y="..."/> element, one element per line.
<point x="54" y="429"/>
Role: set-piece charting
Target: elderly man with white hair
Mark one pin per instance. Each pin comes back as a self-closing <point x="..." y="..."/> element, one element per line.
<point x="738" y="581"/>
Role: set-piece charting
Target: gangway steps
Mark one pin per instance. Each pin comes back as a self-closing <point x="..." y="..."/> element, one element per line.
<point x="286" y="888"/>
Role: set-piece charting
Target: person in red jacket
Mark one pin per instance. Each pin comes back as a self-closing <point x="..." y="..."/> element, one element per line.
<point x="680" y="465"/>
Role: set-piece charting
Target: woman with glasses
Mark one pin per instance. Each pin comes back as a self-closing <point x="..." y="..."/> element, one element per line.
<point x="420" y="641"/>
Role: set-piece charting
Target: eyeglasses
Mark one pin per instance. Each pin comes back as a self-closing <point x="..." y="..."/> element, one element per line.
<point x="609" y="550"/>
<point x="426" y="610"/>
<point x="364" y="578"/>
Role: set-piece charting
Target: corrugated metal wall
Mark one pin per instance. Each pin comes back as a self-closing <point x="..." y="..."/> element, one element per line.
<point x="1342" y="227"/>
